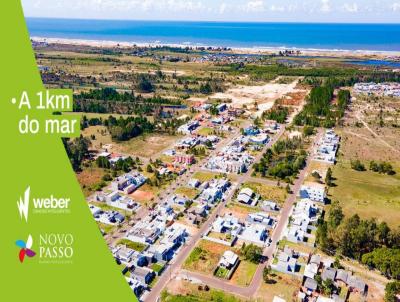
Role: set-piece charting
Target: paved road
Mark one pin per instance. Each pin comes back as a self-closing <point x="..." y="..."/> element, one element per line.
<point x="251" y="290"/>
<point x="175" y="266"/>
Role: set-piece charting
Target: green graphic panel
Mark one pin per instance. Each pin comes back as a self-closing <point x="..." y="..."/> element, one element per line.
<point x="71" y="260"/>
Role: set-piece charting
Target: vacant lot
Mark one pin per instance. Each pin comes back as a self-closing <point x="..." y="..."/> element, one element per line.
<point x="144" y="194"/>
<point x="267" y="192"/>
<point x="367" y="193"/>
<point x="204" y="176"/>
<point x="238" y="210"/>
<point x="137" y="246"/>
<point x="264" y="95"/>
<point x="205" y="131"/>
<point x="319" y="167"/>
<point x="205" y="256"/>
<point x="182" y="291"/>
<point x="189" y="193"/>
<point x="281" y="285"/>
<point x="98" y="135"/>
<point x="89" y="178"/>
<point x="149" y="146"/>
<point x="362" y="144"/>
<point x="244" y="273"/>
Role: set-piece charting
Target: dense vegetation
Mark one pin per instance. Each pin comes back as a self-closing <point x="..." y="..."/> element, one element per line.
<point x="77" y="150"/>
<point x="343" y="100"/>
<point x="392" y="289"/>
<point x="278" y="114"/>
<point x="365" y="240"/>
<point x="387" y="260"/>
<point x="124" y="129"/>
<point x="109" y="100"/>
<point x="283" y="161"/>
<point x="343" y="76"/>
<point x="381" y="167"/>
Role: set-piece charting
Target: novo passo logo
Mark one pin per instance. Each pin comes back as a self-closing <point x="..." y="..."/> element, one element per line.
<point x="25" y="248"/>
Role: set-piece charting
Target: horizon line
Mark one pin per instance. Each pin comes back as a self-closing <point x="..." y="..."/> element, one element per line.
<point x="216" y="21"/>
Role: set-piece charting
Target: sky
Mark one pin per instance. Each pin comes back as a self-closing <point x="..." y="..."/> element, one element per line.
<point x="335" y="11"/>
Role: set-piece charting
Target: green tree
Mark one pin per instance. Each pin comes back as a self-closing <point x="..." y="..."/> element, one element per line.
<point x="144" y="84"/>
<point x="335" y="215"/>
<point x="329" y="178"/>
<point x="392" y="289"/>
<point x="357" y="165"/>
<point x="252" y="253"/>
<point x="149" y="168"/>
<point x="102" y="162"/>
<point x="266" y="273"/>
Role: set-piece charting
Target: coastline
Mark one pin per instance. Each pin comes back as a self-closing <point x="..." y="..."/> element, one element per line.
<point x="376" y="54"/>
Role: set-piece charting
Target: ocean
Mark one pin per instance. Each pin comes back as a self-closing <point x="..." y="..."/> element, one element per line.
<point x="374" y="37"/>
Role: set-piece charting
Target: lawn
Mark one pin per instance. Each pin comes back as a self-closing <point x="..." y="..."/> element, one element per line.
<point x="153" y="282"/>
<point x="369" y="194"/>
<point x="222" y="273"/>
<point x="205" y="257"/>
<point x="267" y="192"/>
<point x="137" y="246"/>
<point x="189" y="193"/>
<point x="244" y="273"/>
<point x="156" y="267"/>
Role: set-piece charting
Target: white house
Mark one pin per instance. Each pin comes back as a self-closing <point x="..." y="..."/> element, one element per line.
<point x="313" y="191"/>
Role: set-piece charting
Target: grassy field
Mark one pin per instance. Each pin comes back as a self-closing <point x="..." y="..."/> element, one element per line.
<point x="189" y="193"/>
<point x="267" y="192"/>
<point x="369" y="194"/>
<point x="148" y="146"/>
<point x="100" y="134"/>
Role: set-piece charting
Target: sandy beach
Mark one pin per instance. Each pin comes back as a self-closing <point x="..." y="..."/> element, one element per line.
<point x="243" y="50"/>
